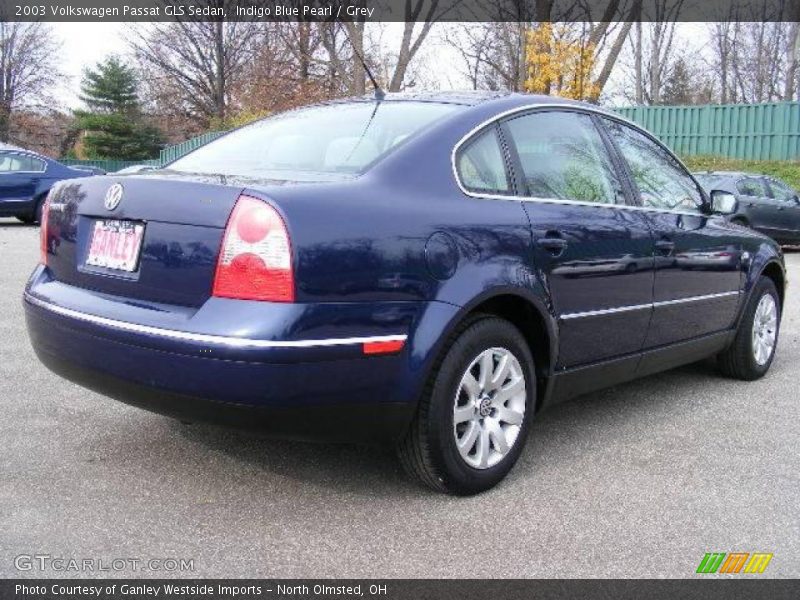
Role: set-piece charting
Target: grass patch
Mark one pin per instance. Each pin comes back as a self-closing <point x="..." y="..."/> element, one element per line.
<point x="785" y="170"/>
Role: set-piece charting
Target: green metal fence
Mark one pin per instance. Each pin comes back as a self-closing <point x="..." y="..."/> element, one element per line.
<point x="167" y="155"/>
<point x="171" y="153"/>
<point x="747" y="131"/>
<point x="109" y="165"/>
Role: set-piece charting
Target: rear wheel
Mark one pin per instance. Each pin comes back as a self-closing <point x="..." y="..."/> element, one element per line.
<point x="472" y="422"/>
<point x="750" y="355"/>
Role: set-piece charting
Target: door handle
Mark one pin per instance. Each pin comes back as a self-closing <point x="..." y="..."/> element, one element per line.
<point x="553" y="244"/>
<point x="665" y="246"/>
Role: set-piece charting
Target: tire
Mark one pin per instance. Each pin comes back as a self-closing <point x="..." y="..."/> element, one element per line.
<point x="36" y="216"/>
<point x="429" y="451"/>
<point x="743" y="359"/>
<point x="38" y="211"/>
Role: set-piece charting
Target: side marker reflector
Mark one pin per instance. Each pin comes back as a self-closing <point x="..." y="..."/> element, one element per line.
<point x="391" y="347"/>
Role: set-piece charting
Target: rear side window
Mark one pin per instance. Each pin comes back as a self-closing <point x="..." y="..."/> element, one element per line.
<point x="663" y="183"/>
<point x="481" y="167"/>
<point x="781" y="191"/>
<point x="751" y="187"/>
<point x="563" y="157"/>
<point x="11" y="162"/>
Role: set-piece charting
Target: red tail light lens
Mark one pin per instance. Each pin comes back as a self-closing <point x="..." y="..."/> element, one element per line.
<point x="255" y="262"/>
<point x="43" y="242"/>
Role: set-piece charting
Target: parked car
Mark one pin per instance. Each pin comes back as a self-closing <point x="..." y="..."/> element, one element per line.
<point x="398" y="271"/>
<point x="25" y="179"/>
<point x="133" y="169"/>
<point x="92" y="169"/>
<point x="764" y="203"/>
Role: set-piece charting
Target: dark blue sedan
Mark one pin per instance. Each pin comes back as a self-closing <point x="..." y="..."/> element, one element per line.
<point x="25" y="179"/>
<point x="428" y="272"/>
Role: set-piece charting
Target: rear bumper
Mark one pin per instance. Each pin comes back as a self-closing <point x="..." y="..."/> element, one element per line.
<point x="305" y="388"/>
<point x="375" y="423"/>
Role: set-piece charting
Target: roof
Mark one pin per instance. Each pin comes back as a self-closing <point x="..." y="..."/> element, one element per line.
<point x="468" y="97"/>
<point x="12" y="147"/>
<point x="735" y="174"/>
<point x="4" y="146"/>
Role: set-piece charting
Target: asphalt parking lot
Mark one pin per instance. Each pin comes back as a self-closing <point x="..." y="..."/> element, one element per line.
<point x="636" y="481"/>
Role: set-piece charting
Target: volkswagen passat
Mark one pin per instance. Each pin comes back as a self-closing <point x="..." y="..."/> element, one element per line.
<point x="410" y="271"/>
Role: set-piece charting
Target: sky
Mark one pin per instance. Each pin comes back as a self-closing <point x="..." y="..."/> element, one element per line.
<point x="84" y="44"/>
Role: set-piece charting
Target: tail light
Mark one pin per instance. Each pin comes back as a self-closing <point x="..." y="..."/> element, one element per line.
<point x="255" y="262"/>
<point x="43" y="241"/>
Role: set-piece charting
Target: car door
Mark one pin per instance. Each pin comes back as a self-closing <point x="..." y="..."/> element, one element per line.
<point x="698" y="260"/>
<point x="787" y="222"/>
<point x="19" y="175"/>
<point x="594" y="254"/>
<point x="757" y="204"/>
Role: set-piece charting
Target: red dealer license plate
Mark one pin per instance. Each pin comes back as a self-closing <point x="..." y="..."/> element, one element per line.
<point x="116" y="245"/>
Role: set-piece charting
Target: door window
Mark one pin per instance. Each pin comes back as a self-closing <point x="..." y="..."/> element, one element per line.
<point x="750" y="186"/>
<point x="663" y="183"/>
<point x="481" y="167"/>
<point x="563" y="157"/>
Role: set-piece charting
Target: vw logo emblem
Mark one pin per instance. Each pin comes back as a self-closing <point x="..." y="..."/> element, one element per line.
<point x="114" y="196"/>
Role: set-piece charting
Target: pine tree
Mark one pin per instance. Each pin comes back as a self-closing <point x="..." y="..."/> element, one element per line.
<point x="114" y="126"/>
<point x="110" y="87"/>
<point x="678" y="87"/>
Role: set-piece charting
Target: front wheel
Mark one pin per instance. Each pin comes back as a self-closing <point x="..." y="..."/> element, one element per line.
<point x="750" y="355"/>
<point x="474" y="416"/>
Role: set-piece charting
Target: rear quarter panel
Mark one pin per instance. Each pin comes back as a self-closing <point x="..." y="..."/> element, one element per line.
<point x="405" y="232"/>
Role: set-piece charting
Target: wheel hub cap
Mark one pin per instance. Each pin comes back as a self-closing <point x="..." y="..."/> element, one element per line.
<point x="489" y="408"/>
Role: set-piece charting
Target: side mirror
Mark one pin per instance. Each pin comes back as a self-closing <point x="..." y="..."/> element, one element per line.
<point x="723" y="203"/>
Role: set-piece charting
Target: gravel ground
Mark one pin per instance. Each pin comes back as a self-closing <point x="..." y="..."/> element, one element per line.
<point x="636" y="481"/>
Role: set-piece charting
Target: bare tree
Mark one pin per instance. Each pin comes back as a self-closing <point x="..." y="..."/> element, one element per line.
<point x="193" y="65"/>
<point x="28" y="69"/>
<point x="494" y="54"/>
<point x="756" y="51"/>
<point x="417" y="12"/>
<point x="652" y="51"/>
<point x="792" y="83"/>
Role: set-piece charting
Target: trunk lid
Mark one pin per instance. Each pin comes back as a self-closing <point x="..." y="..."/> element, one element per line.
<point x="183" y="220"/>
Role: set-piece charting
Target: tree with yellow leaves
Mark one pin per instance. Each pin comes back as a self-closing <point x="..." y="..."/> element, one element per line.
<point x="560" y="62"/>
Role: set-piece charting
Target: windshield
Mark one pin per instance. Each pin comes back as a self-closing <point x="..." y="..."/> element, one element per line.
<point x="336" y="138"/>
<point x="708" y="181"/>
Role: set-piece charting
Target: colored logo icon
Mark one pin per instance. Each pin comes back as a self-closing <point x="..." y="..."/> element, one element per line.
<point x="734" y="562"/>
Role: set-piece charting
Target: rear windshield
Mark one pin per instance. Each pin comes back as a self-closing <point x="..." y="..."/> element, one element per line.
<point x="336" y="138"/>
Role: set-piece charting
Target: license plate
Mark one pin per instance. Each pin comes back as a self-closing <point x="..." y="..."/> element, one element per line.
<point x="115" y="245"/>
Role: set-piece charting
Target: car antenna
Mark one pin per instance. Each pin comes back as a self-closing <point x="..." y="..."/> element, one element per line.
<point x="379" y="93"/>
